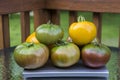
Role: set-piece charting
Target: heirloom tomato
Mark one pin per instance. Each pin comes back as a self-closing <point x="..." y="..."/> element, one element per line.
<point x="49" y="33"/>
<point x="65" y="54"/>
<point x="82" y="32"/>
<point x="31" y="55"/>
<point x="95" y="55"/>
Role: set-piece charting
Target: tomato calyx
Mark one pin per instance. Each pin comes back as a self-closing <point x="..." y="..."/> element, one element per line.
<point x="80" y="19"/>
<point x="50" y="23"/>
<point x="29" y="44"/>
<point x="61" y="42"/>
<point x="96" y="42"/>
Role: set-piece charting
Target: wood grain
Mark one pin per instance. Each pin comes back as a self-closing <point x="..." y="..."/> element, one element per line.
<point x="40" y="17"/>
<point x="5" y="33"/>
<point x="25" y="25"/>
<point x="12" y="6"/>
<point x="72" y="17"/>
<point x="85" y="5"/>
<point x="98" y="22"/>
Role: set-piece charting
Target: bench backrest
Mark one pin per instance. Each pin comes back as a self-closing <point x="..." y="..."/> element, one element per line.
<point x="45" y="10"/>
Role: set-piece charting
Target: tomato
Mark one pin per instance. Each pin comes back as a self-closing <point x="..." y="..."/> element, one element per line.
<point x="82" y="32"/>
<point x="32" y="38"/>
<point x="30" y="55"/>
<point x="49" y="33"/>
<point x="95" y="55"/>
<point x="65" y="54"/>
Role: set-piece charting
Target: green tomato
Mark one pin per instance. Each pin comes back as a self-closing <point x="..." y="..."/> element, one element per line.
<point x="31" y="55"/>
<point x="65" y="55"/>
<point x="95" y="55"/>
<point x="49" y="33"/>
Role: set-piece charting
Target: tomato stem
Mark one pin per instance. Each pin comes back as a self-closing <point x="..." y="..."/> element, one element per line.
<point x="49" y="22"/>
<point x="80" y="18"/>
<point x="96" y="42"/>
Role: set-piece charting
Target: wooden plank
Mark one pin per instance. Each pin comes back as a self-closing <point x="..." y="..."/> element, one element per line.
<point x="72" y="17"/>
<point x="25" y="25"/>
<point x="7" y="6"/>
<point x="40" y="16"/>
<point x="1" y="33"/>
<point x="97" y="19"/>
<point x="4" y="31"/>
<point x="43" y="16"/>
<point x="55" y="17"/>
<point x="85" y="5"/>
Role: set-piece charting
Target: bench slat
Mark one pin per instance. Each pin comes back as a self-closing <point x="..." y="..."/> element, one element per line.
<point x="13" y="6"/>
<point x="72" y="17"/>
<point x="55" y="16"/>
<point x="4" y="31"/>
<point x="40" y="17"/>
<point x="1" y="33"/>
<point x="85" y="5"/>
<point x="98" y="22"/>
<point x="25" y="25"/>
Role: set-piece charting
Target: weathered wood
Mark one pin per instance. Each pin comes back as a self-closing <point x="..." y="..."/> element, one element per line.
<point x="4" y="31"/>
<point x="40" y="17"/>
<point x="85" y="5"/>
<point x="1" y="33"/>
<point x="72" y="17"/>
<point x="25" y="25"/>
<point x="55" y="16"/>
<point x="7" y="6"/>
<point x="98" y="22"/>
<point x="43" y="16"/>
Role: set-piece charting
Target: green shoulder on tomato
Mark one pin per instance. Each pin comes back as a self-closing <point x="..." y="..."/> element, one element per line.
<point x="65" y="54"/>
<point x="31" y="55"/>
<point x="49" y="33"/>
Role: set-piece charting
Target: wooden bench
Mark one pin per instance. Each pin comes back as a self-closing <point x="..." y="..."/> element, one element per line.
<point x="45" y="10"/>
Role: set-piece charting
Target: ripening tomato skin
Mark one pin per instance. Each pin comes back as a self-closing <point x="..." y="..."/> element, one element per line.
<point x="65" y="55"/>
<point x="30" y="55"/>
<point x="82" y="32"/>
<point x="95" y="56"/>
<point x="49" y="33"/>
<point x="32" y="38"/>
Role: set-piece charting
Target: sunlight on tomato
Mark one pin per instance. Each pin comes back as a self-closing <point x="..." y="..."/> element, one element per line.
<point x="82" y="32"/>
<point x="32" y="38"/>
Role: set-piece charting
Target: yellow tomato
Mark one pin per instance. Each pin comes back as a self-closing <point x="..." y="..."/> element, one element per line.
<point x="32" y="38"/>
<point x="82" y="32"/>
